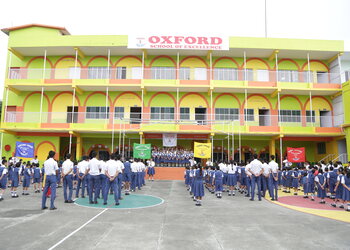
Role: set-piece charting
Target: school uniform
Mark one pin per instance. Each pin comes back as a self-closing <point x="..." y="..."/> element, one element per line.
<point x="339" y="191"/>
<point x="310" y="183"/>
<point x="320" y="180"/>
<point x="295" y="179"/>
<point x="16" y="172"/>
<point x="112" y="169"/>
<point x="81" y="170"/>
<point x="192" y="180"/>
<point x="289" y="179"/>
<point x="75" y="173"/>
<point x="127" y="171"/>
<point x="248" y="180"/>
<point x="150" y="170"/>
<point x="265" y="178"/>
<point x="198" y="187"/>
<point x="346" y="193"/>
<point x="272" y="182"/>
<point x="94" y="168"/>
<point x="67" y="169"/>
<point x="231" y="175"/>
<point x="332" y="180"/>
<point x="103" y="179"/>
<point x="223" y="168"/>
<point x="26" y="177"/>
<point x="134" y="169"/>
<point x="187" y="177"/>
<point x="36" y="175"/>
<point x="218" y="181"/>
<point x="50" y="166"/>
<point x="120" y="167"/>
<point x="58" y="176"/>
<point x="3" y="177"/>
<point x="256" y="167"/>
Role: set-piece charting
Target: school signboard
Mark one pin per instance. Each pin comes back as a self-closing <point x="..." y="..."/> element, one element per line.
<point x="202" y="150"/>
<point x="24" y="149"/>
<point x="296" y="154"/>
<point x="142" y="151"/>
<point x="180" y="42"/>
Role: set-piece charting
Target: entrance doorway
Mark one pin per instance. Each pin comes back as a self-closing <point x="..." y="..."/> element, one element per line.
<point x="135" y="115"/>
<point x="325" y="118"/>
<point x="200" y="115"/>
<point x="264" y="117"/>
<point x="70" y="118"/>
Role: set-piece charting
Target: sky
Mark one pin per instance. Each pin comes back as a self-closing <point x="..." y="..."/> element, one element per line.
<point x="308" y="19"/>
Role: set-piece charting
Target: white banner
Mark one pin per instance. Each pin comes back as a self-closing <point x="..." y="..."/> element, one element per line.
<point x="178" y="42"/>
<point x="169" y="140"/>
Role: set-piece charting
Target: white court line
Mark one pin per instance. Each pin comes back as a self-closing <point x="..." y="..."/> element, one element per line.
<point x="72" y="233"/>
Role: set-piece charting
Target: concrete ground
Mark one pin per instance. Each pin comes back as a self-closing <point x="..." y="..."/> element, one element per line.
<point x="229" y="223"/>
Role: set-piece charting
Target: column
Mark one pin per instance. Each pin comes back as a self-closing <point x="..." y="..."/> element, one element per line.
<point x="79" y="148"/>
<point x="272" y="146"/>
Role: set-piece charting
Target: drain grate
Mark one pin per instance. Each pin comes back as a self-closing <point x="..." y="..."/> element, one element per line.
<point x="15" y="213"/>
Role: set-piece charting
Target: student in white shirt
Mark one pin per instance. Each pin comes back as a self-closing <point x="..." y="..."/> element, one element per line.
<point x="120" y="175"/>
<point x="112" y="172"/>
<point x="67" y="176"/>
<point x="134" y="169"/>
<point x="35" y="160"/>
<point x="265" y="177"/>
<point x="256" y="170"/>
<point x="103" y="179"/>
<point x="82" y="176"/>
<point x="3" y="178"/>
<point x="273" y="178"/>
<point x="51" y="170"/>
<point x="93" y="169"/>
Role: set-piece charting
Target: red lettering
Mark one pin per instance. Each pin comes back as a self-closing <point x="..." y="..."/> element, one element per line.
<point x="166" y="39"/>
<point x="154" y="39"/>
<point x="216" y="40"/>
<point x="190" y="40"/>
<point x="203" y="40"/>
<point x="178" y="39"/>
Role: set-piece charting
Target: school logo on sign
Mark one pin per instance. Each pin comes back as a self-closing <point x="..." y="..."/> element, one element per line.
<point x="202" y="150"/>
<point x="296" y="154"/>
<point x="142" y="151"/>
<point x="24" y="149"/>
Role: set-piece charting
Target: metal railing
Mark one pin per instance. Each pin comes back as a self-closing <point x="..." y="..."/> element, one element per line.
<point x="172" y="73"/>
<point x="171" y="119"/>
<point x="342" y="158"/>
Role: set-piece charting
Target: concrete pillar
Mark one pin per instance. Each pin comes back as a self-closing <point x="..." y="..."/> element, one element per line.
<point x="272" y="147"/>
<point x="79" y="148"/>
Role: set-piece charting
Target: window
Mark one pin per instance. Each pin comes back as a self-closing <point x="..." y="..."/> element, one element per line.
<point x="288" y="76"/>
<point x="119" y="112"/>
<point x="262" y="75"/>
<point x="184" y="113"/>
<point x="15" y="73"/>
<point x="97" y="113"/>
<point x="225" y="74"/>
<point x="308" y="76"/>
<point x="308" y="116"/>
<point x="249" y="114"/>
<point x="185" y="73"/>
<point x="321" y="148"/>
<point x="136" y="73"/>
<point x="162" y="113"/>
<point x="163" y="73"/>
<point x="98" y="73"/>
<point x="121" y="73"/>
<point x="226" y="114"/>
<point x="200" y="73"/>
<point x="290" y="116"/>
<point x="248" y="75"/>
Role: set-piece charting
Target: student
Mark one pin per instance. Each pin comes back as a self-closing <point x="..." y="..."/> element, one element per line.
<point x="37" y="178"/>
<point x="331" y="181"/>
<point x="112" y="172"/>
<point x="26" y="179"/>
<point x="191" y="179"/>
<point x="265" y="177"/>
<point x="295" y="180"/>
<point x="339" y="189"/>
<point x="3" y="178"/>
<point x="242" y="178"/>
<point x="67" y="176"/>
<point x="256" y="170"/>
<point x="187" y="178"/>
<point x="51" y="171"/>
<point x="231" y="178"/>
<point x="103" y="179"/>
<point x="140" y="169"/>
<point x="82" y="176"/>
<point x="321" y="183"/>
<point x="75" y="175"/>
<point x="249" y="179"/>
<point x="134" y="169"/>
<point x="150" y="170"/>
<point x="93" y="169"/>
<point x="311" y="183"/>
<point x="10" y="171"/>
<point x="346" y="189"/>
<point x="120" y="168"/>
<point x="35" y="160"/>
<point x="16" y="173"/>
<point x="198" y="187"/>
<point x="273" y="179"/>
<point x="127" y="176"/>
<point x="217" y="180"/>
<point x="59" y="175"/>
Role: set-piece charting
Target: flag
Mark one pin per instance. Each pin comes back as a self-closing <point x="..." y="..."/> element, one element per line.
<point x="296" y="154"/>
<point x="142" y="151"/>
<point x="24" y="149"/>
<point x="169" y="140"/>
<point x="202" y="150"/>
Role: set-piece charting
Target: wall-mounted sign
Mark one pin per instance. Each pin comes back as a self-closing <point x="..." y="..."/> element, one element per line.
<point x="178" y="42"/>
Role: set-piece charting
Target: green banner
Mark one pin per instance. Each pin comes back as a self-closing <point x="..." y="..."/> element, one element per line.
<point x="142" y="151"/>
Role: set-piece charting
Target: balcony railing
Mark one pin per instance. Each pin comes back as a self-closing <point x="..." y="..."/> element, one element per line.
<point x="171" y="119"/>
<point x="171" y="73"/>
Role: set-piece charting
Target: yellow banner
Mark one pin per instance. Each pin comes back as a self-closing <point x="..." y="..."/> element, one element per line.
<point x="202" y="150"/>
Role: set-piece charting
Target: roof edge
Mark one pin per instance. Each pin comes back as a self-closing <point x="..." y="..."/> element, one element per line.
<point x="63" y="30"/>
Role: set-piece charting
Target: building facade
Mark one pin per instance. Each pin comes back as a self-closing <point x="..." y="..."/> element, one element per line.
<point x="92" y="93"/>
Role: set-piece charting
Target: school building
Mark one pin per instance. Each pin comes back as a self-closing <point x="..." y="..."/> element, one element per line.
<point x="84" y="93"/>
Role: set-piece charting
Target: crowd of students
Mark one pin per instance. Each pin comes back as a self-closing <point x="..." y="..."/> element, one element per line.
<point x="327" y="180"/>
<point x="172" y="157"/>
<point x="97" y="177"/>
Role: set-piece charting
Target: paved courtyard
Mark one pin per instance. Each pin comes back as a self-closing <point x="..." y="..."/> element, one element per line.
<point x="229" y="223"/>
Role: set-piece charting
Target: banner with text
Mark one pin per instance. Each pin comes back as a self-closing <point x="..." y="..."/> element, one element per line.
<point x="190" y="42"/>
<point x="202" y="150"/>
<point x="169" y="140"/>
<point x="24" y="149"/>
<point x="296" y="154"/>
<point x="142" y="151"/>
